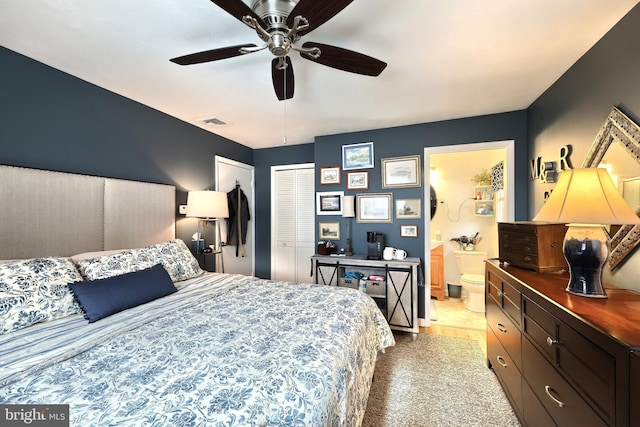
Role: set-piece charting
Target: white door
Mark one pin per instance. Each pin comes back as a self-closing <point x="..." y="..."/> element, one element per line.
<point x="228" y="173"/>
<point x="292" y="222"/>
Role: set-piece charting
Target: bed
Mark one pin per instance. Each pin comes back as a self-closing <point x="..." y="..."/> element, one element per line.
<point x="143" y="336"/>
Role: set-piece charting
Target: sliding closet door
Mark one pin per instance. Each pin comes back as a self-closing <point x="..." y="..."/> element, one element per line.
<point x="292" y="222"/>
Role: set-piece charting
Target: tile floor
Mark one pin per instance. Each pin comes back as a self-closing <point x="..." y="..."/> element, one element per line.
<point x="452" y="312"/>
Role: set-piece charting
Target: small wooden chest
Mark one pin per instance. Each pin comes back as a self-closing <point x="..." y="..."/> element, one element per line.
<point x="532" y="245"/>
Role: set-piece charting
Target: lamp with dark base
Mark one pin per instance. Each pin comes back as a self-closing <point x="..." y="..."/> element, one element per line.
<point x="586" y="199"/>
<point x="348" y="211"/>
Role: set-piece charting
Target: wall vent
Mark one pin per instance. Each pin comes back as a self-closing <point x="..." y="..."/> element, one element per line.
<point x="213" y="122"/>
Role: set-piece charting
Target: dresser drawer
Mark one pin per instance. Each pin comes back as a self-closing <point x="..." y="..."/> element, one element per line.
<point x="506" y="332"/>
<point x="504" y="295"/>
<point x="511" y="302"/>
<point x="562" y="402"/>
<point x="507" y="372"/>
<point x="540" y="327"/>
<point x="534" y="413"/>
<point x="586" y="366"/>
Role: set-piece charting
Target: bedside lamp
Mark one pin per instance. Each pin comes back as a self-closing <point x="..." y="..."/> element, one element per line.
<point x="208" y="206"/>
<point x="587" y="200"/>
<point x="348" y="211"/>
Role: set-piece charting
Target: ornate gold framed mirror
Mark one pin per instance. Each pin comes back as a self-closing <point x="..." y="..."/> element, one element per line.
<point x="617" y="147"/>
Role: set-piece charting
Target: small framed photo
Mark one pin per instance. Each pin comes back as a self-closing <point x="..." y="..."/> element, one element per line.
<point x="330" y="175"/>
<point x="357" y="156"/>
<point x="409" y="230"/>
<point x="408" y="208"/>
<point x="374" y="207"/>
<point x="330" y="230"/>
<point x="401" y="172"/>
<point x="358" y="180"/>
<point x="329" y="203"/>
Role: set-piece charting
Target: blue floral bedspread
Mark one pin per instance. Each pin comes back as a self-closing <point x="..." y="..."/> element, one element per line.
<point x="225" y="350"/>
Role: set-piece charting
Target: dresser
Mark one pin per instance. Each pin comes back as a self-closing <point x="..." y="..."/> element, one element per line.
<point x="396" y="294"/>
<point x="563" y="359"/>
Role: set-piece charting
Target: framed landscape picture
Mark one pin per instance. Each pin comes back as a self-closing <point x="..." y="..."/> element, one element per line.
<point x="409" y="230"/>
<point x="374" y="207"/>
<point x="408" y="208"/>
<point x="358" y="180"/>
<point x="330" y="175"/>
<point x="330" y="230"/>
<point x="357" y="156"/>
<point x="329" y="203"/>
<point x="401" y="172"/>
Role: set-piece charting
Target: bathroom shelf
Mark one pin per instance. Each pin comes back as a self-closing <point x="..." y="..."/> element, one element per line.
<point x="484" y="203"/>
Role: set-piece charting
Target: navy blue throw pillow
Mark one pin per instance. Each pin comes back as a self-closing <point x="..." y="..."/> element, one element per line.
<point x="104" y="297"/>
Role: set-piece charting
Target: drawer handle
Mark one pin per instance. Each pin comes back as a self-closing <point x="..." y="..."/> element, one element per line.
<point x="501" y="361"/>
<point x="500" y="294"/>
<point x="527" y="258"/>
<point x="501" y="327"/>
<point x="551" y="342"/>
<point x="548" y="389"/>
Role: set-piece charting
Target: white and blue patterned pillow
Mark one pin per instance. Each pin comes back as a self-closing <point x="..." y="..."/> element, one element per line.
<point x="35" y="290"/>
<point x="174" y="256"/>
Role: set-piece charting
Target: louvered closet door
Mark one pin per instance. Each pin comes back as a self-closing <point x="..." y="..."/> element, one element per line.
<point x="293" y="224"/>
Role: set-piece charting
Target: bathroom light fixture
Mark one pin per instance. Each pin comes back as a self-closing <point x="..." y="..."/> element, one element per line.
<point x="348" y="211"/>
<point x="587" y="200"/>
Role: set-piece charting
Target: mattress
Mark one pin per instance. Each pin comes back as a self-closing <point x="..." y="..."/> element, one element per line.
<point x="223" y="350"/>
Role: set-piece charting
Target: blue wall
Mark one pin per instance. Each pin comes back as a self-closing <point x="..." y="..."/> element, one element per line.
<point x="52" y="120"/>
<point x="264" y="159"/>
<point x="411" y="140"/>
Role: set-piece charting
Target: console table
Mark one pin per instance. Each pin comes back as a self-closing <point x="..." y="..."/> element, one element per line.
<point x="396" y="296"/>
<point x="563" y="359"/>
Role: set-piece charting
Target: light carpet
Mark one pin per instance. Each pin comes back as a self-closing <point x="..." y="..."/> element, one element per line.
<point x="436" y="381"/>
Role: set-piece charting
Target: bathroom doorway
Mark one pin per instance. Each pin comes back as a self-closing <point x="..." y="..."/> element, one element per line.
<point x="452" y="170"/>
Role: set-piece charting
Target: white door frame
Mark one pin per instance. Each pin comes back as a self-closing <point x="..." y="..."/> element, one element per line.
<point x="509" y="147"/>
<point x="275" y="169"/>
<point x="250" y="197"/>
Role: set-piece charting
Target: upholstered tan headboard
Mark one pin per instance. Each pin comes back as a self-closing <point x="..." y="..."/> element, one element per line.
<point x="45" y="213"/>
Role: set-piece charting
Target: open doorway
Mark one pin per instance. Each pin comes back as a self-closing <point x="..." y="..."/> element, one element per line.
<point x="457" y="213"/>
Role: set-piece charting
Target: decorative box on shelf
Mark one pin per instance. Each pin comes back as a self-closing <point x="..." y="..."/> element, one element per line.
<point x="532" y="245"/>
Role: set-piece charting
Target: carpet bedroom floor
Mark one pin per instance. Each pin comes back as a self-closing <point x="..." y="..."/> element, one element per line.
<point x="451" y="318"/>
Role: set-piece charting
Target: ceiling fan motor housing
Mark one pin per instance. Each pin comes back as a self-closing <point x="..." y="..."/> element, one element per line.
<point x="274" y="12"/>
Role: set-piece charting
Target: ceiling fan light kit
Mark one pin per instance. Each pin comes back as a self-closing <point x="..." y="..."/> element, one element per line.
<point x="280" y="24"/>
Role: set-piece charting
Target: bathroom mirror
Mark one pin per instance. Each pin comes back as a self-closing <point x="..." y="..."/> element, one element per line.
<point x="433" y="200"/>
<point x="617" y="146"/>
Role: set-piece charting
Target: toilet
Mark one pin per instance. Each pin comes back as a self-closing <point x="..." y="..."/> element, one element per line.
<point x="471" y="267"/>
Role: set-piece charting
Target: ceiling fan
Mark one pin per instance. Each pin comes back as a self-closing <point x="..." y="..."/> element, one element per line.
<point x="280" y="24"/>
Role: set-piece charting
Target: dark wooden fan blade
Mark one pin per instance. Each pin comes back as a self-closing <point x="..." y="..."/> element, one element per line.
<point x="345" y="60"/>
<point x="316" y="12"/>
<point x="210" y="55"/>
<point x="238" y="9"/>
<point x="283" y="81"/>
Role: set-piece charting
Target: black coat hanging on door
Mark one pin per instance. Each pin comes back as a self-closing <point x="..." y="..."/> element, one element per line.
<point x="238" y="218"/>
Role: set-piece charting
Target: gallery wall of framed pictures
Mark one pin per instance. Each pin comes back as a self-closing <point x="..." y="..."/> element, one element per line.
<point x="354" y="173"/>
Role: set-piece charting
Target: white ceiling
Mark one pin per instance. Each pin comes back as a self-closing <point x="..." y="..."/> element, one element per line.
<point x="447" y="59"/>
